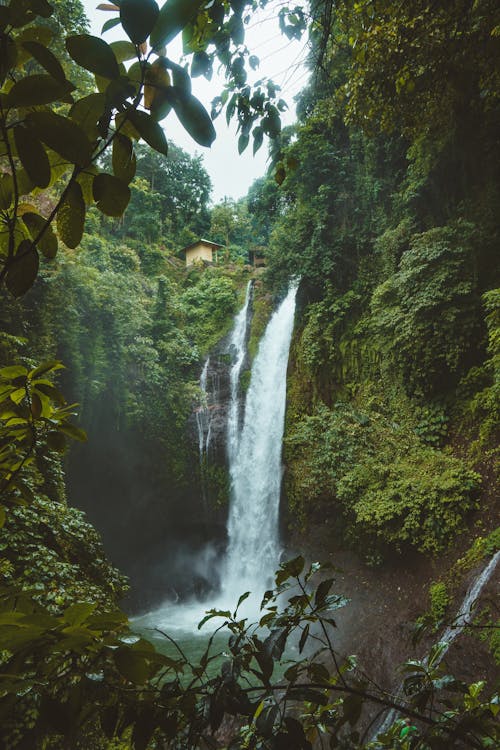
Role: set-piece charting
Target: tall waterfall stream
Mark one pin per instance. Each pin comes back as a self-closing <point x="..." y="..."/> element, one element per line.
<point x="254" y="446"/>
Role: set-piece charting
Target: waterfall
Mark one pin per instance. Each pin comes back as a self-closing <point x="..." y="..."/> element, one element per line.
<point x="255" y="459"/>
<point x="238" y="352"/>
<point x="254" y="456"/>
<point x="460" y="621"/>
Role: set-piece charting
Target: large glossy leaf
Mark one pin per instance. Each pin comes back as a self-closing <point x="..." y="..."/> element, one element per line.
<point x="8" y="55"/>
<point x="173" y="16"/>
<point x="111" y="194"/>
<point x="149" y="130"/>
<point x="63" y="136"/>
<point x="193" y="116"/>
<point x="71" y="216"/>
<point x="124" y="162"/>
<point x="22" y="12"/>
<point x="157" y="80"/>
<point x="123" y="51"/>
<point x="6" y="191"/>
<point x="46" y="59"/>
<point x="138" y="18"/>
<point x="32" y="155"/>
<point x="93" y="54"/>
<point x="38" y="89"/>
<point x="131" y="665"/>
<point x="23" y="269"/>
<point x="87" y="112"/>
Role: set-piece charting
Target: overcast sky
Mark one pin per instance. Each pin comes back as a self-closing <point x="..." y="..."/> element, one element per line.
<point x="280" y="59"/>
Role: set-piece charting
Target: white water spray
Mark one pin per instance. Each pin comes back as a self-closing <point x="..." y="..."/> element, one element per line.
<point x="255" y="461"/>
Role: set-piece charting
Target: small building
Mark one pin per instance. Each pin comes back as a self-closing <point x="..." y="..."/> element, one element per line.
<point x="202" y="250"/>
<point x="257" y="258"/>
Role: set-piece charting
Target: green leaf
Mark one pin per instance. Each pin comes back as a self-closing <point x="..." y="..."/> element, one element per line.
<point x="180" y="77"/>
<point x="41" y="34"/>
<point x="12" y="372"/>
<point x="2" y="516"/>
<point x="49" y="366"/>
<point x="23" y="269"/>
<point x="173" y="16"/>
<point x="138" y="18"/>
<point x="8" y="55"/>
<point x="258" y="137"/>
<point x="111" y="194"/>
<point x="303" y="638"/>
<point x="149" y="130"/>
<point x="110" y="24"/>
<point x="123" y="51"/>
<point x="124" y="161"/>
<point x="157" y="82"/>
<point x="322" y="591"/>
<point x="6" y="191"/>
<point x="62" y="135"/>
<point x="74" y="432"/>
<point x="193" y="116"/>
<point x="71" y="216"/>
<point x="93" y="54"/>
<point x="39" y="89"/>
<point x="87" y="112"/>
<point x="23" y="11"/>
<point x="133" y="666"/>
<point x="76" y="614"/>
<point x="243" y="143"/>
<point x="46" y="59"/>
<point x="32" y="155"/>
<point x="48" y="241"/>
<point x="200" y="64"/>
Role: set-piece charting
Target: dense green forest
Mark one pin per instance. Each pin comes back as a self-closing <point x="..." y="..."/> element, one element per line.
<point x="383" y="200"/>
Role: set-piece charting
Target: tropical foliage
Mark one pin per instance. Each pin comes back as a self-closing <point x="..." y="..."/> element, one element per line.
<point x="395" y="356"/>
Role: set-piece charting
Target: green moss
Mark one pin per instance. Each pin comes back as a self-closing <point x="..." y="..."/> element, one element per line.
<point x="245" y="380"/>
<point x="391" y="490"/>
<point x="262" y="310"/>
<point x="439" y="601"/>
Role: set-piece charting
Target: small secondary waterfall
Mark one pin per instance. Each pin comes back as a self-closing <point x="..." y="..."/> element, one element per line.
<point x="460" y="621"/>
<point x="203" y="414"/>
<point x="255" y="459"/>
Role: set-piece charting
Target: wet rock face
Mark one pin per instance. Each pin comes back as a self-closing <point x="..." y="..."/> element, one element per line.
<point x="207" y="424"/>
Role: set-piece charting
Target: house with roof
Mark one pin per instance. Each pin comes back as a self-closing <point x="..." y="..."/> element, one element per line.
<point x="202" y="251"/>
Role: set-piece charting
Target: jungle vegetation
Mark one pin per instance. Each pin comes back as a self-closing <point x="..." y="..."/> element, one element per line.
<point x="383" y="201"/>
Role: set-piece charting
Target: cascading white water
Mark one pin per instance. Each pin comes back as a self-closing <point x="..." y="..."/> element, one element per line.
<point x="237" y="348"/>
<point x="254" y="454"/>
<point x="255" y="461"/>
<point x="462" y="617"/>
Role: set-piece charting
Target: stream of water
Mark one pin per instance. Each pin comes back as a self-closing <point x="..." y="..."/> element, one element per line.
<point x="254" y="446"/>
<point x="460" y="621"/>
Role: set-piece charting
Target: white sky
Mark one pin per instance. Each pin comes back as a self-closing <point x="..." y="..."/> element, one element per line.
<point x="280" y="59"/>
